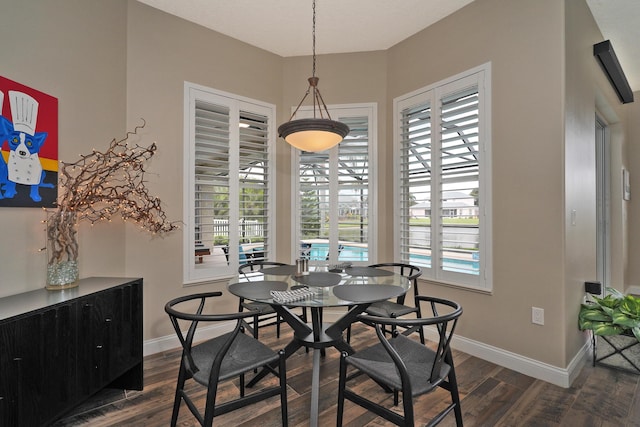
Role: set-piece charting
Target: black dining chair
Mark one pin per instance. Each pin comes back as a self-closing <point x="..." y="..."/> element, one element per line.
<point x="398" y="308"/>
<point x="219" y="359"/>
<point x="403" y="364"/>
<point x="264" y="314"/>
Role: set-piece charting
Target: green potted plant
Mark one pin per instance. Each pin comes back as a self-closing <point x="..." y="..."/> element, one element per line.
<point x="615" y="314"/>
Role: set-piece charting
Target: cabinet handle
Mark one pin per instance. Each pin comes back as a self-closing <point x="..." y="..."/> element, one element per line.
<point x="99" y="347"/>
<point x="108" y="319"/>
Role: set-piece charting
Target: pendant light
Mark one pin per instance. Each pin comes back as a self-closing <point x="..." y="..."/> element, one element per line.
<point x="320" y="132"/>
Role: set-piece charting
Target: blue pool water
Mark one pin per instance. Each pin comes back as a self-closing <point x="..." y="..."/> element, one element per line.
<point x="356" y="253"/>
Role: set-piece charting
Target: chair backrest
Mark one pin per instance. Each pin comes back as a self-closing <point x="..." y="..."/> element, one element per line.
<point x="242" y="256"/>
<point x="256" y="265"/>
<point x="193" y="317"/>
<point x="410" y="271"/>
<point x="445" y="325"/>
<point x="305" y="250"/>
<point x="340" y="248"/>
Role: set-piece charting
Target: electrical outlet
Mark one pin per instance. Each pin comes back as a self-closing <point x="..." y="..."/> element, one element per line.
<point x="537" y="315"/>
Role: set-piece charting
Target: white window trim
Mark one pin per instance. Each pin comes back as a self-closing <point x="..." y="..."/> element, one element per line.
<point x="341" y="110"/>
<point x="483" y="72"/>
<point x="196" y="274"/>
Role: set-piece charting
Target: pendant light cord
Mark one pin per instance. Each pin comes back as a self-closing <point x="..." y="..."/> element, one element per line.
<point x="313" y="38"/>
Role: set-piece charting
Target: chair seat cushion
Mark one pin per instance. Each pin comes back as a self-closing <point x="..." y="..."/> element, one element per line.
<point x="377" y="364"/>
<point x="245" y="354"/>
<point x="389" y="309"/>
<point x="259" y="307"/>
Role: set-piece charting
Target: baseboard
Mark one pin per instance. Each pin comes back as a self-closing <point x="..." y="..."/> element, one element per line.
<point x="170" y="342"/>
<point x="562" y="377"/>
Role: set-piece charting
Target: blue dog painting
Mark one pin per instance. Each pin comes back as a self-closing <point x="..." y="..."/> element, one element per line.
<point x="22" y="175"/>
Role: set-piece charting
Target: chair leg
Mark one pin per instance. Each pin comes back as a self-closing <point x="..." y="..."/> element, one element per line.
<point x="453" y="388"/>
<point x="210" y="406"/>
<point x="255" y="326"/>
<point x="407" y="404"/>
<point x="341" y="385"/>
<point x="182" y="377"/>
<point x="283" y="389"/>
<point x="278" y="320"/>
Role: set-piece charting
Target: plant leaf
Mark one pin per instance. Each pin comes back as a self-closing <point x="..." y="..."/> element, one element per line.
<point x="630" y="306"/>
<point x="619" y="318"/>
<point x="595" y="315"/>
<point x="607" y="329"/>
<point x="614" y="293"/>
<point x="609" y="301"/>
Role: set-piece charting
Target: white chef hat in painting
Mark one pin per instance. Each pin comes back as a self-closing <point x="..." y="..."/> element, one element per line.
<point x="1" y="101"/>
<point x="24" y="112"/>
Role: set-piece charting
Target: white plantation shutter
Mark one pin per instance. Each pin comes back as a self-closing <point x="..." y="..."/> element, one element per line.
<point x="212" y="173"/>
<point x="442" y="174"/>
<point x="353" y="189"/>
<point x="254" y="178"/>
<point x="228" y="187"/>
<point x="334" y="190"/>
<point x="459" y="183"/>
<point x="415" y="182"/>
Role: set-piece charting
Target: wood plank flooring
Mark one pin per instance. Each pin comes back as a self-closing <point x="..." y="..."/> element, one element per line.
<point x="491" y="396"/>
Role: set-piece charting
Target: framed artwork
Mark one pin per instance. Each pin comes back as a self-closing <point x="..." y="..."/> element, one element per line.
<point x="29" y="146"/>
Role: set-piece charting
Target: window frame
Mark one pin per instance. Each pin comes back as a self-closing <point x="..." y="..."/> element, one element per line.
<point x="433" y="95"/>
<point x="194" y="273"/>
<point x="339" y="112"/>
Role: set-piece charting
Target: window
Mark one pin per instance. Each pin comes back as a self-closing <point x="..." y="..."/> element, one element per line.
<point x="228" y="193"/>
<point x="442" y="146"/>
<point x="335" y="193"/>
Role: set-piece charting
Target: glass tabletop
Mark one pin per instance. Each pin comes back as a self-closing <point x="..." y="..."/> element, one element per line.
<point x="280" y="285"/>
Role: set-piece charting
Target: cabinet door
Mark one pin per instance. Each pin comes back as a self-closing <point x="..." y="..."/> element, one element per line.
<point x="38" y="366"/>
<point x="9" y="384"/>
<point x="125" y="364"/>
<point x="112" y="337"/>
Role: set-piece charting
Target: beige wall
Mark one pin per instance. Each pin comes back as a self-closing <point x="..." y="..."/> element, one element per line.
<point x="522" y="40"/>
<point x="111" y="63"/>
<point x="74" y="50"/>
<point x="588" y="93"/>
<point x="633" y="162"/>
<point x="163" y="53"/>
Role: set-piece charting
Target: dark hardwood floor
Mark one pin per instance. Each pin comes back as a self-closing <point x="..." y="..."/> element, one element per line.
<point x="491" y="396"/>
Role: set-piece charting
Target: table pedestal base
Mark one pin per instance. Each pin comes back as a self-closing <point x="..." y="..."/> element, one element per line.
<point x="317" y="336"/>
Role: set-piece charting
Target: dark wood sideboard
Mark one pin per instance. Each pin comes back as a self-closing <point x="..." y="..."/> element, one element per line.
<point x="57" y="348"/>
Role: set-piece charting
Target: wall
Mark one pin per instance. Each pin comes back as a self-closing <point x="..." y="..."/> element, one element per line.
<point x="588" y="92"/>
<point x="632" y="283"/>
<point x="74" y="50"/>
<point x="164" y="52"/>
<point x="527" y="141"/>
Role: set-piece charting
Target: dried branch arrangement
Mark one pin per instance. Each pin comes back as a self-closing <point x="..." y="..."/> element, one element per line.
<point x="100" y="185"/>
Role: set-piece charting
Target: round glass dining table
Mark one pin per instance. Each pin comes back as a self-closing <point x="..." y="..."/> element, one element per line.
<point x="352" y="287"/>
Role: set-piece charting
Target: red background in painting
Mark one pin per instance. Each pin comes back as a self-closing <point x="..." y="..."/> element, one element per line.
<point x="47" y="116"/>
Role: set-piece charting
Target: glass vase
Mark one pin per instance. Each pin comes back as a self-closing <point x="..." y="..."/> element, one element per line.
<point x="62" y="250"/>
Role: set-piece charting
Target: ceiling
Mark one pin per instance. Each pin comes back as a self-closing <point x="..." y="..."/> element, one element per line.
<point x="284" y="26"/>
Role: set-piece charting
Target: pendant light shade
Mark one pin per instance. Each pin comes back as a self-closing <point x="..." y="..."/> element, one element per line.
<point x="313" y="134"/>
<point x="317" y="133"/>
